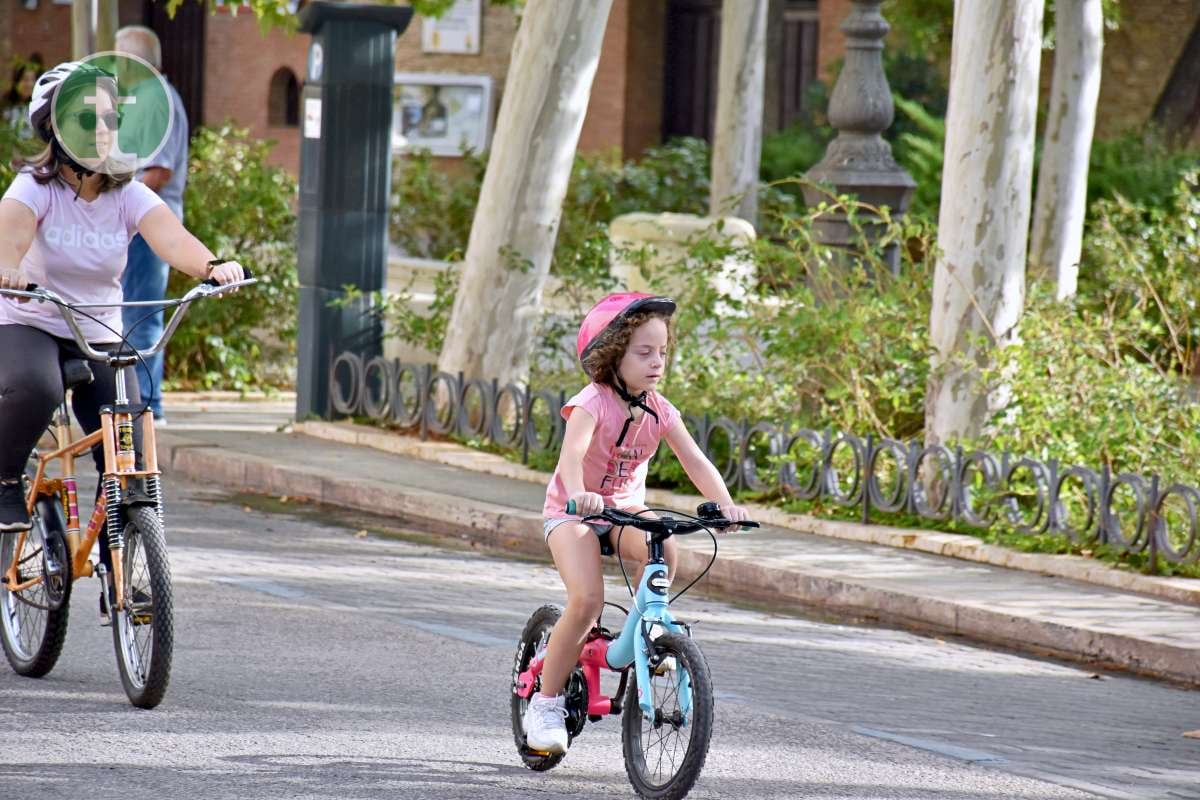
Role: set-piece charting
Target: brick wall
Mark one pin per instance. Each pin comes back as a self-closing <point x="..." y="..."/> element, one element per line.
<point x="831" y="47"/>
<point x="239" y="63"/>
<point x="604" y="125"/>
<point x="45" y="29"/>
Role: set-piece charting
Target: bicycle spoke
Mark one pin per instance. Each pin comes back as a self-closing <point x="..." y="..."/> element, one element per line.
<point x="664" y="746"/>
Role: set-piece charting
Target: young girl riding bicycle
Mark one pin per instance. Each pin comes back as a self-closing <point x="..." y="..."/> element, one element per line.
<point x="614" y="426"/>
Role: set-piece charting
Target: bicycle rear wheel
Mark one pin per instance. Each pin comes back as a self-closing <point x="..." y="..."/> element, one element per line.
<point x="534" y="640"/>
<point x="143" y="632"/>
<point x="33" y="622"/>
<point x="664" y="754"/>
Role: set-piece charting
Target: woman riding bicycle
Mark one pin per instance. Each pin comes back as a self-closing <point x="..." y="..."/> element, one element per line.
<point x="613" y="428"/>
<point x="65" y="223"/>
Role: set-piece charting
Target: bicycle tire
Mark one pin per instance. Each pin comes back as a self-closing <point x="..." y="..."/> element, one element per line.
<point x="534" y="638"/>
<point x="143" y="633"/>
<point x="33" y="625"/>
<point x="636" y="729"/>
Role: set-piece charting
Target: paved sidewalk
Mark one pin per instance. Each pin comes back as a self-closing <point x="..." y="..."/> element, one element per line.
<point x="238" y="446"/>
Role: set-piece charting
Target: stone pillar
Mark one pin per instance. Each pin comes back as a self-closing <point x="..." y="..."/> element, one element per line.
<point x="859" y="161"/>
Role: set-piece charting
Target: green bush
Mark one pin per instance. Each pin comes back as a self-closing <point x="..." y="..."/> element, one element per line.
<point x="791" y="152"/>
<point x="431" y="208"/>
<point x="813" y="339"/>
<point x="240" y="206"/>
<point x="1113" y="378"/>
<point x="1139" y="166"/>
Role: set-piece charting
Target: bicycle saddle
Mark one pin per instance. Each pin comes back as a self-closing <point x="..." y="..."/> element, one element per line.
<point x="76" y="372"/>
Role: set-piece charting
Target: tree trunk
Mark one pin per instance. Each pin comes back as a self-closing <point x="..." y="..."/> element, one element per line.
<point x="81" y="29"/>
<point x="107" y="22"/>
<point x="979" y="281"/>
<point x="737" y="135"/>
<point x="1062" y="180"/>
<point x="496" y="309"/>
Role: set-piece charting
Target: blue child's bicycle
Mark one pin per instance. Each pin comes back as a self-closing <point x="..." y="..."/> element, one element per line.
<point x="668" y="706"/>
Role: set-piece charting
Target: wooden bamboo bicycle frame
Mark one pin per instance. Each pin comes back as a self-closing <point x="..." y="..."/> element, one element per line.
<point x="119" y="462"/>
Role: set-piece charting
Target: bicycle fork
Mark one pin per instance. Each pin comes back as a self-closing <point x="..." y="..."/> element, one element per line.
<point x="650" y="608"/>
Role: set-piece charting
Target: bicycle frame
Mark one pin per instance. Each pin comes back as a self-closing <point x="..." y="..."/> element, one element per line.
<point x="116" y="434"/>
<point x="651" y="606"/>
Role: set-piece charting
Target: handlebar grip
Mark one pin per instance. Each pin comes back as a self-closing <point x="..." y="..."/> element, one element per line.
<point x="570" y="506"/>
<point x="213" y="281"/>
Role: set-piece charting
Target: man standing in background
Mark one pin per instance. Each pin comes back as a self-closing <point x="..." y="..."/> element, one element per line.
<point x="145" y="276"/>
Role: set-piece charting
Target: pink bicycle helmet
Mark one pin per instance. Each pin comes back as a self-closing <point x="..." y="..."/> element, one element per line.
<point x="606" y="317"/>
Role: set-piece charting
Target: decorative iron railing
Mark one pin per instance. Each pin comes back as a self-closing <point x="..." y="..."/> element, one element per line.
<point x="1128" y="512"/>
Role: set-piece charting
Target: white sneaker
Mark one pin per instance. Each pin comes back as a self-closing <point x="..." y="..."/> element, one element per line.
<point x="546" y="724"/>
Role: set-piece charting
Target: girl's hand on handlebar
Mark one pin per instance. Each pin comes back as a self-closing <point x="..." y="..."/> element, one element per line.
<point x="734" y="513"/>
<point x="587" y="503"/>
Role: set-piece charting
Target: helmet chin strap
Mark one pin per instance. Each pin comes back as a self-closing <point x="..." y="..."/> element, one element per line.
<point x="634" y="401"/>
<point x="80" y="171"/>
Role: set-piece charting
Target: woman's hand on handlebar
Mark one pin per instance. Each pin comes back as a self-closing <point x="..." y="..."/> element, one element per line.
<point x="227" y="272"/>
<point x="586" y="503"/>
<point x="14" y="279"/>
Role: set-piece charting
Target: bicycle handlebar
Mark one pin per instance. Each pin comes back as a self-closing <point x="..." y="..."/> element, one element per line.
<point x="208" y="288"/>
<point x="665" y="526"/>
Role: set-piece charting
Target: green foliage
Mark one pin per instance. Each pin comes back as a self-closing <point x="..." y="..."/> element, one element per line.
<point x="810" y="337"/>
<point x="12" y="146"/>
<point x="278" y="14"/>
<point x="241" y="207"/>
<point x="921" y="150"/>
<point x="921" y="26"/>
<point x="1140" y="167"/>
<point x="791" y="152"/>
<point x="1114" y="377"/>
<point x="431" y="207"/>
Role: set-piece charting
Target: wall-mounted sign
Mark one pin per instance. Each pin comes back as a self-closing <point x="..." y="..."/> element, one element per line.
<point x="443" y="113"/>
<point x="456" y="31"/>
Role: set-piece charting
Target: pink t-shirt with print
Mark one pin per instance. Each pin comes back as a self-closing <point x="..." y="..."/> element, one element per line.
<point x="616" y="474"/>
<point x="78" y="252"/>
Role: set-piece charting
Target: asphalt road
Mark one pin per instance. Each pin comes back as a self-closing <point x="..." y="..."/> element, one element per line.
<point x="317" y="656"/>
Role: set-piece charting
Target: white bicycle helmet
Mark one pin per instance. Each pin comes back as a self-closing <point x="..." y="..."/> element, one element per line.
<point x="48" y="84"/>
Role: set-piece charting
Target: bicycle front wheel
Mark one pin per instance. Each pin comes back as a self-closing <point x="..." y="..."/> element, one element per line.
<point x="143" y="632"/>
<point x="33" y="621"/>
<point x="664" y="753"/>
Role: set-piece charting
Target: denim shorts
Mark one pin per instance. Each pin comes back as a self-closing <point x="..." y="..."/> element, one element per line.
<point x="601" y="530"/>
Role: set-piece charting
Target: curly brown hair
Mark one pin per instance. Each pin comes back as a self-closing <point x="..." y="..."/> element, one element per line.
<point x="601" y="363"/>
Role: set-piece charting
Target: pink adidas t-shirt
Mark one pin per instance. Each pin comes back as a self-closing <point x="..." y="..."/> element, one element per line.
<point x="616" y="474"/>
<point x="78" y="252"/>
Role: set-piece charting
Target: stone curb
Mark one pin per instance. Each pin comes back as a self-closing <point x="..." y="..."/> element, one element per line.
<point x="954" y="545"/>
<point x="221" y="395"/>
<point x="520" y="531"/>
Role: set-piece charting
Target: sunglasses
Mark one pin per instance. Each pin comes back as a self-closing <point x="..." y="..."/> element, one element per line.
<point x="87" y="119"/>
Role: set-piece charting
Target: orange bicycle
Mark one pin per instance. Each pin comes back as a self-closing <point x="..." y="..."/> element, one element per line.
<point x="38" y="566"/>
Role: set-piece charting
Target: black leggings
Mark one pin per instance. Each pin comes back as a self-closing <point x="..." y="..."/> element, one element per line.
<point x="31" y="388"/>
